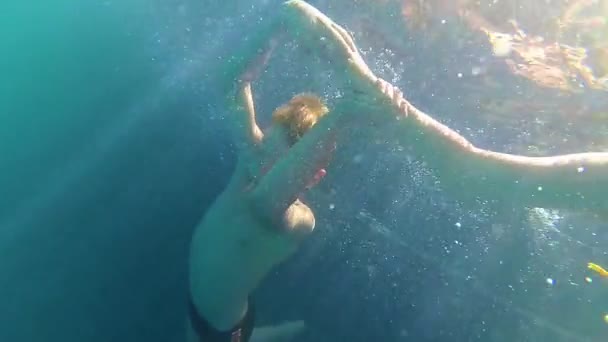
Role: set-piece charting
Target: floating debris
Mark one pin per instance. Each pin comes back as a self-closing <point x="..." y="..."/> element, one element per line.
<point x="598" y="269"/>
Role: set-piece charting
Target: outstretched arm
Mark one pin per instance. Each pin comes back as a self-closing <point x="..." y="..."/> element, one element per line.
<point x="566" y="181"/>
<point x="572" y="181"/>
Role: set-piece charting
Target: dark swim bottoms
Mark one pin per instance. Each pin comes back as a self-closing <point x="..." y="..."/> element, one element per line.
<point x="206" y="333"/>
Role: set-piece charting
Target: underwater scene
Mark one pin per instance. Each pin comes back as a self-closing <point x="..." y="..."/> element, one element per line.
<point x="306" y="171"/>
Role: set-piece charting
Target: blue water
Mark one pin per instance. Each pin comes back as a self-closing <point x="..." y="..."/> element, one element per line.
<point x="112" y="145"/>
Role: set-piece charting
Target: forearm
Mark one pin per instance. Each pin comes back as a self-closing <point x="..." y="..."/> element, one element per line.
<point x="565" y="181"/>
<point x="575" y="181"/>
<point x="471" y="173"/>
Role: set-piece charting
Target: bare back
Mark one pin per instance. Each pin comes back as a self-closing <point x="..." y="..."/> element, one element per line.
<point x="234" y="247"/>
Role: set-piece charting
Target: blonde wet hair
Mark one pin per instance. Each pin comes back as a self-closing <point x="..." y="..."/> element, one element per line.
<point x="300" y="114"/>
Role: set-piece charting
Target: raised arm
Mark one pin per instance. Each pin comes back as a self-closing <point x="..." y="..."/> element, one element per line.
<point x="241" y="69"/>
<point x="245" y="113"/>
<point x="564" y="181"/>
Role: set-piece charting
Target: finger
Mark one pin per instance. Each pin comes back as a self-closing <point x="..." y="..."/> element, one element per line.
<point x="389" y="90"/>
<point x="399" y="93"/>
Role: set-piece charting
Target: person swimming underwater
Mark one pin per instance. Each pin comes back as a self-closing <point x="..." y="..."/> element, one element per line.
<point x="257" y="221"/>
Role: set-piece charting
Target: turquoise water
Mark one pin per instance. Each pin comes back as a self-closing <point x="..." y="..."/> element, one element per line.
<point x="78" y="90"/>
<point x="112" y="144"/>
<point x="69" y="70"/>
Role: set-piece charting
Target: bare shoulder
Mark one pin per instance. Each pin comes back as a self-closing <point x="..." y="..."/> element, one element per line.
<point x="299" y="219"/>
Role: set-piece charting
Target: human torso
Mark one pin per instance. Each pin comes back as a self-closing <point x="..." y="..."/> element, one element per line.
<point x="233" y="247"/>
